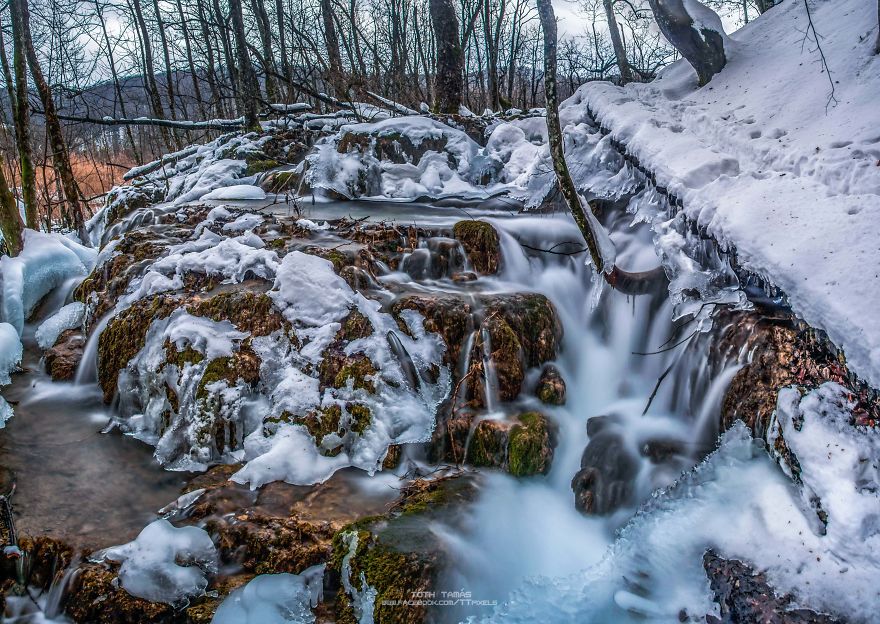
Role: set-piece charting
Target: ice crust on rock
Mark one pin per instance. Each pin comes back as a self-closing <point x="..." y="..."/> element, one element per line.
<point x="164" y="563"/>
<point x="10" y="352"/>
<point x="68" y="317"/>
<point x="274" y="599"/>
<point x="236" y="192"/>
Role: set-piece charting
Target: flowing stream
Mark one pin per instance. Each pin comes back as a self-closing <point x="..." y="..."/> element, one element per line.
<point x="100" y="489"/>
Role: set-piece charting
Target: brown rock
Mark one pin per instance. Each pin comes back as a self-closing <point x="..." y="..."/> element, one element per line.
<point x="63" y="358"/>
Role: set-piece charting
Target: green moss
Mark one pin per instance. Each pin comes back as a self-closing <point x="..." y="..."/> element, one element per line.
<point x="258" y="165"/>
<point x="355" y="326"/>
<point x="529" y="448"/>
<point x="357" y="369"/>
<point x="181" y="358"/>
<point x="276" y="244"/>
<point x="321" y="423"/>
<point x="124" y="336"/>
<point x="249" y="311"/>
<point x="488" y="445"/>
<point x="244" y="365"/>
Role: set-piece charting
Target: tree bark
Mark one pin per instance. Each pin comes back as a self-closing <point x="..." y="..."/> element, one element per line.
<point x="150" y="70"/>
<point x="248" y="89"/>
<point x="262" y="19"/>
<point x="624" y="281"/>
<point x="617" y="42"/>
<point x="10" y="220"/>
<point x="450" y="59"/>
<point x="60" y="155"/>
<point x="702" y="46"/>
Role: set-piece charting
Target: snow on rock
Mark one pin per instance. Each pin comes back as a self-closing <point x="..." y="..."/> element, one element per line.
<point x="247" y="221"/>
<point x="663" y="546"/>
<point x="10" y="352"/>
<point x="330" y="295"/>
<point x="838" y="465"/>
<point x="164" y="563"/>
<point x="5" y="412"/>
<point x="400" y="158"/>
<point x="68" y="317"/>
<point x="765" y="161"/>
<point x="45" y="263"/>
<point x="274" y="599"/>
<point x="236" y="192"/>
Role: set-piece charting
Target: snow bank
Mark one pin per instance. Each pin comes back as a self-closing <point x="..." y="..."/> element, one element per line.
<point x="165" y="563"/>
<point x="274" y="599"/>
<point x="764" y="160"/>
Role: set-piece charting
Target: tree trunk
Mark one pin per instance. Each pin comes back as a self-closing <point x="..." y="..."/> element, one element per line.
<point x="331" y="41"/>
<point x="703" y="47"/>
<point x="150" y="70"/>
<point x="269" y="71"/>
<point x="629" y="283"/>
<point x="194" y="76"/>
<point x="10" y="220"/>
<point x="617" y="42"/>
<point x="248" y="89"/>
<point x="60" y="155"/>
<point x="450" y="60"/>
<point x="18" y="99"/>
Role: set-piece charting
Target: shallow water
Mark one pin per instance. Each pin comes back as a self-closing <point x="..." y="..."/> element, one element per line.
<point x="72" y="481"/>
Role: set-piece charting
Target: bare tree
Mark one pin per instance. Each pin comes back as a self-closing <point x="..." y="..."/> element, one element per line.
<point x="630" y="283"/>
<point x="248" y="90"/>
<point x="60" y="155"/>
<point x="617" y="42"/>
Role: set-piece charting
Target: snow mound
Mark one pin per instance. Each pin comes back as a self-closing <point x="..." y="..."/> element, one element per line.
<point x="236" y="192"/>
<point x="767" y="163"/>
<point x="68" y="317"/>
<point x="274" y="599"/>
<point x="164" y="563"/>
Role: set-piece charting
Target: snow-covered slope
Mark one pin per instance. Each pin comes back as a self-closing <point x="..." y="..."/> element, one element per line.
<point x="771" y="165"/>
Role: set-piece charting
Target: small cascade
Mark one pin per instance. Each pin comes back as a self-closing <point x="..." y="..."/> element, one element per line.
<point x="57" y="594"/>
<point x="87" y="371"/>
<point x="490" y="379"/>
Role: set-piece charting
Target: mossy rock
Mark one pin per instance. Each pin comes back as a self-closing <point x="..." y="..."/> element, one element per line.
<point x="125" y="336"/>
<point x="481" y="244"/>
<point x="249" y="311"/>
<point x="259" y="165"/>
<point x="551" y="386"/>
<point x="96" y="597"/>
<point x="488" y="444"/>
<point x="395" y="554"/>
<point x="506" y="355"/>
<point x="530" y="446"/>
<point x="534" y="320"/>
<point x="242" y="365"/>
<point x="354" y="327"/>
<point x="337" y="369"/>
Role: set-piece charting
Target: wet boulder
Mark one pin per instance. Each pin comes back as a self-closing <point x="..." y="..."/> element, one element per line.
<point x="448" y="316"/>
<point x="63" y="358"/>
<point x="481" y="243"/>
<point x="604" y="482"/>
<point x="551" y="386"/>
<point x="533" y="319"/>
<point x="488" y="444"/>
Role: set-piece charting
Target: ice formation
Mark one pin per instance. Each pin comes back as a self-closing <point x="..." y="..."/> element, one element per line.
<point x="165" y="563"/>
<point x="274" y="599"/>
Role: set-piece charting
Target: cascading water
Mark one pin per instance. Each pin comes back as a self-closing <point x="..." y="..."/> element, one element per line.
<point x="529" y="528"/>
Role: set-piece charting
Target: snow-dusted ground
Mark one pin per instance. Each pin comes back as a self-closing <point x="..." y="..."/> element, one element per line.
<point x="769" y="164"/>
